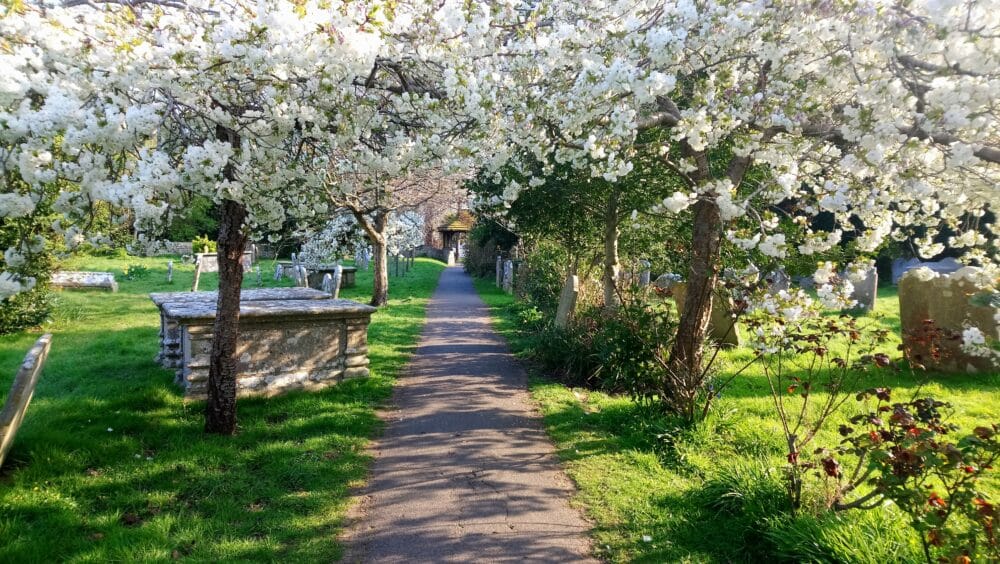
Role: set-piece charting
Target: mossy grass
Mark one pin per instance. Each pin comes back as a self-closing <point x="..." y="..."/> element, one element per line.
<point x="111" y="464"/>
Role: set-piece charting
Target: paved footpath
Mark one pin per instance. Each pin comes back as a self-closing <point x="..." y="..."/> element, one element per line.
<point x="465" y="472"/>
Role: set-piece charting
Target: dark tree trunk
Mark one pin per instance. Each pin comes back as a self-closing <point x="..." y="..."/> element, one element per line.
<point x="220" y="412"/>
<point x="380" y="287"/>
<point x="686" y="354"/>
<point x="612" y="267"/>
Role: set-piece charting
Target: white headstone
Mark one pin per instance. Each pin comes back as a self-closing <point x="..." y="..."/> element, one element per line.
<point x="865" y="288"/>
<point x="170" y="272"/>
<point x="567" y="300"/>
<point x="327" y="284"/>
<point x="278" y="271"/>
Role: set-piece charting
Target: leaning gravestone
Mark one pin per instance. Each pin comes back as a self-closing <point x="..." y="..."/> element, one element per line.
<point x="865" y="290"/>
<point x="21" y="392"/>
<point x="722" y="327"/>
<point x="567" y="300"/>
<point x="932" y="303"/>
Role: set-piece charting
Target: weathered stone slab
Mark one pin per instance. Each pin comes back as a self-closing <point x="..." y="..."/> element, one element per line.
<point x="931" y="303"/>
<point x="20" y="393"/>
<point x="348" y="275"/>
<point x="722" y="327"/>
<point x="72" y="279"/>
<point x="567" y="300"/>
<point x="210" y="261"/>
<point x="283" y="345"/>
<point x="170" y="355"/>
<point x="645" y="275"/>
<point x="667" y="281"/>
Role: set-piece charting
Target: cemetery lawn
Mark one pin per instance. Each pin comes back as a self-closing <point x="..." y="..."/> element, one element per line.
<point x="644" y="481"/>
<point x="111" y="465"/>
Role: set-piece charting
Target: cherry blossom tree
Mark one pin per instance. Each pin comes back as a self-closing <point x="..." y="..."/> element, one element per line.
<point x="249" y="103"/>
<point x="880" y="113"/>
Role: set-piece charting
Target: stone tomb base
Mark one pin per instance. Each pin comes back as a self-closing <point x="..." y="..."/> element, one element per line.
<point x="170" y="355"/>
<point x="283" y="345"/>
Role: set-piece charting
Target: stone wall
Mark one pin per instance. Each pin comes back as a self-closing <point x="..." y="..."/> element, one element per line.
<point x="283" y="345"/>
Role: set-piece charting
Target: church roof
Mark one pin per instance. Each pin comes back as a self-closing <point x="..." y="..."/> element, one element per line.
<point x="461" y="221"/>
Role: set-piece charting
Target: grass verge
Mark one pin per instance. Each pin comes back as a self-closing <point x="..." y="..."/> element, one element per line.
<point x="111" y="464"/>
<point x="653" y="489"/>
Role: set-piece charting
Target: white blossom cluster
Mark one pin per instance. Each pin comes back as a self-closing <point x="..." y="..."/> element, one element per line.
<point x="339" y="237"/>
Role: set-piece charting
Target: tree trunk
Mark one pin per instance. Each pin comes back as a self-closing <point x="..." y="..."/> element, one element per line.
<point x="612" y="268"/>
<point x="220" y="412"/>
<point x="380" y="288"/>
<point x="688" y="348"/>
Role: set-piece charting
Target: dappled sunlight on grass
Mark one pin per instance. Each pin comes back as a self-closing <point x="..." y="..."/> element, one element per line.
<point x="642" y="476"/>
<point x="112" y="465"/>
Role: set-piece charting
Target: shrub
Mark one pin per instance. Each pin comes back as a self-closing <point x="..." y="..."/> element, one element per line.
<point x="203" y="244"/>
<point x="872" y="537"/>
<point x="201" y="215"/>
<point x="26" y="309"/>
<point x="135" y="272"/>
<point x="541" y="276"/>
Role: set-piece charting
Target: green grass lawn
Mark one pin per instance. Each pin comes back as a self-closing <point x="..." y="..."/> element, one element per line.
<point x="111" y="464"/>
<point x="642" y="480"/>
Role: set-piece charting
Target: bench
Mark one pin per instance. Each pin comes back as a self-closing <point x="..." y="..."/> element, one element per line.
<point x="72" y="279"/>
<point x="170" y="355"/>
<point x="283" y="344"/>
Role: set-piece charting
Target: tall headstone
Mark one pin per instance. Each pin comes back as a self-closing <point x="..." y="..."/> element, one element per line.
<point x="508" y="276"/>
<point x="865" y="289"/>
<point x="935" y="309"/>
<point x="327" y="284"/>
<point x="567" y="300"/>
<point x="338" y="277"/>
<point x="499" y="271"/>
<point x="303" y="276"/>
<point x="644" y="275"/>
<point x="260" y="280"/>
<point x="279" y="272"/>
<point x="21" y="391"/>
<point x="170" y="272"/>
<point x="722" y="327"/>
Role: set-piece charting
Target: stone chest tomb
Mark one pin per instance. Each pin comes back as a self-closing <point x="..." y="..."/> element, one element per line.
<point x="284" y="344"/>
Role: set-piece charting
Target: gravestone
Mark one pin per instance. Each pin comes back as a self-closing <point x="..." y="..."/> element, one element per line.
<point x="170" y="272"/>
<point x="303" y="276"/>
<point x="865" y="290"/>
<point x="210" y="261"/>
<point x="508" y="276"/>
<point x="499" y="272"/>
<point x="67" y="279"/>
<point x="327" y="284"/>
<point x="778" y="281"/>
<point x="645" y="275"/>
<point x="722" y="327"/>
<point x="932" y="303"/>
<point x="567" y="300"/>
<point x="279" y="271"/>
<point x="260" y="281"/>
<point x="197" y="276"/>
<point x="21" y="391"/>
<point x="667" y="281"/>
<point x="338" y="276"/>
<point x="902" y="266"/>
